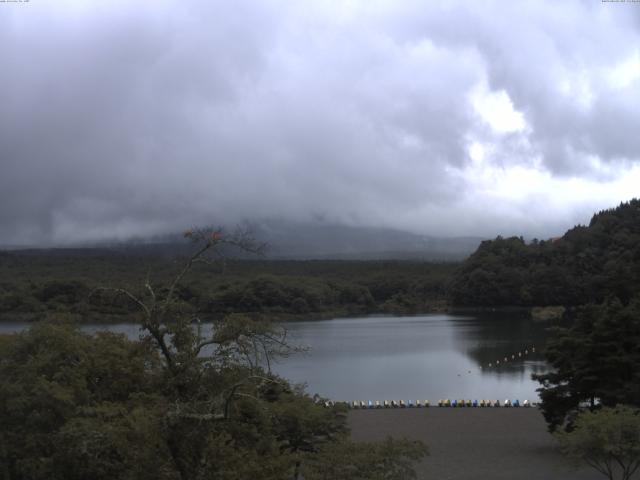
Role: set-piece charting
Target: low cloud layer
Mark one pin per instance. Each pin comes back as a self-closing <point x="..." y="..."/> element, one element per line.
<point x="128" y="118"/>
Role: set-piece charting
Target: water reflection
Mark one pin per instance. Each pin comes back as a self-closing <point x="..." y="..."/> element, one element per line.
<point x="420" y="357"/>
<point x="507" y="344"/>
<point x="425" y="357"/>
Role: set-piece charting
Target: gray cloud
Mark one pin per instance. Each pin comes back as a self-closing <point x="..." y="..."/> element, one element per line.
<point x="126" y="119"/>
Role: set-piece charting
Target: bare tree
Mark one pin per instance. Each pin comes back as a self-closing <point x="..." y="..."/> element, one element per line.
<point x="178" y="334"/>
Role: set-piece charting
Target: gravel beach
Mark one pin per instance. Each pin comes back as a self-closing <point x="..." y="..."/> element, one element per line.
<point x="474" y="443"/>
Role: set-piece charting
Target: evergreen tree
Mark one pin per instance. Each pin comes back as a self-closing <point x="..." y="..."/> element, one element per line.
<point x="595" y="362"/>
<point x="585" y="265"/>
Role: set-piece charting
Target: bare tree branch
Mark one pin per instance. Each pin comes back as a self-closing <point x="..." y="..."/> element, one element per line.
<point x="122" y="291"/>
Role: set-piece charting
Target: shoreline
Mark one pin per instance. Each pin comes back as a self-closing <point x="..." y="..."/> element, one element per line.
<point x="275" y="318"/>
<point x="108" y="319"/>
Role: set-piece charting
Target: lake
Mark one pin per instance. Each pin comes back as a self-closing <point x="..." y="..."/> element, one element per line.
<point x="410" y="357"/>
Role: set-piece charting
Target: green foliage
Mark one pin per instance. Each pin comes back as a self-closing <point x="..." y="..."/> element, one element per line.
<point x="586" y="265"/>
<point x="181" y="403"/>
<point x="68" y="398"/>
<point x="387" y="460"/>
<point x="33" y="284"/>
<point x="595" y="362"/>
<point x="74" y="406"/>
<point x="607" y="439"/>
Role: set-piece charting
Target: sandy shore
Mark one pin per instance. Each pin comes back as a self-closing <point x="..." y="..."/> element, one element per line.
<point x="474" y="443"/>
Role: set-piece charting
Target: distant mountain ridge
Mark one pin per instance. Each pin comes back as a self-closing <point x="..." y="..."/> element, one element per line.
<point x="314" y="241"/>
<point x="319" y="241"/>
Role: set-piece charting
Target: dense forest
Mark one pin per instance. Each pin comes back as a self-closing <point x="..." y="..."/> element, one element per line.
<point x="177" y="404"/>
<point x="156" y="408"/>
<point x="37" y="283"/>
<point x="587" y="264"/>
<point x="594" y="270"/>
<point x="595" y="362"/>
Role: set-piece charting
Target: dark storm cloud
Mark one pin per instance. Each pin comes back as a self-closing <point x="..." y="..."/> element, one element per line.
<point x="555" y="61"/>
<point x="122" y="118"/>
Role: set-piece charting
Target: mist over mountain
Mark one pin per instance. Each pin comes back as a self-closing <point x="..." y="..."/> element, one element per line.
<point x="299" y="241"/>
<point x="141" y="118"/>
<point x="319" y="241"/>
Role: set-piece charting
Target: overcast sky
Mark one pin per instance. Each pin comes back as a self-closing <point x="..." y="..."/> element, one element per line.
<point x="122" y="118"/>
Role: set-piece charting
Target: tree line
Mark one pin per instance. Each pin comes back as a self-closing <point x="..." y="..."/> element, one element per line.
<point x="586" y="265"/>
<point x="180" y="403"/>
<point x="36" y="284"/>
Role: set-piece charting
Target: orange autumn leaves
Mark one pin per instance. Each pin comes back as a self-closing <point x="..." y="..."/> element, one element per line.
<point x="212" y="237"/>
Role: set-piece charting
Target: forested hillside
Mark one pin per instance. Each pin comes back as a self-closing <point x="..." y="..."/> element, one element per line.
<point x="179" y="403"/>
<point x="37" y="283"/>
<point x="585" y="265"/>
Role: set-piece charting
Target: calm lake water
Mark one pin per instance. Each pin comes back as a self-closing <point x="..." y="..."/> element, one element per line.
<point x="417" y="357"/>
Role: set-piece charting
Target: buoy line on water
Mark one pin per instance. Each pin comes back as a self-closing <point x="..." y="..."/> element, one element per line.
<point x="377" y="404"/>
<point x="513" y="356"/>
<point x="505" y="359"/>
